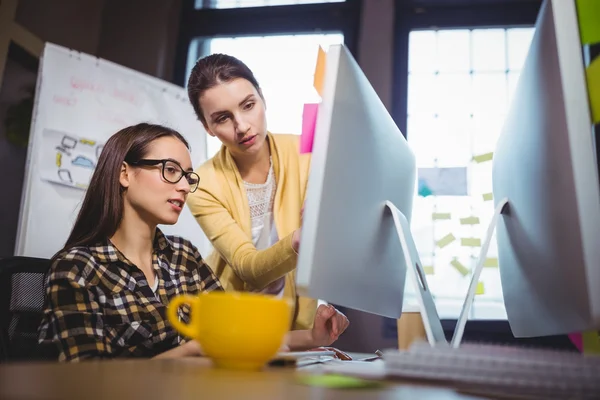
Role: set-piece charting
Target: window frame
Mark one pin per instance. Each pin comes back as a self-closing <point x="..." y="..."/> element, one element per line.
<point x="316" y="18"/>
<point x="411" y="15"/>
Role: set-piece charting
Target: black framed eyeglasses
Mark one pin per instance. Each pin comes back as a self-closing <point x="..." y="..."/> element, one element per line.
<point x="171" y="170"/>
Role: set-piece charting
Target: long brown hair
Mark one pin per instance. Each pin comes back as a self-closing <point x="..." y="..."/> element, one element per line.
<point x="212" y="70"/>
<point x="102" y="208"/>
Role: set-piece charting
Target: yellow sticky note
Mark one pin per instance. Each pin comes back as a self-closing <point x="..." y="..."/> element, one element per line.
<point x="591" y="342"/>
<point x="480" y="288"/>
<point x="464" y="271"/>
<point x="428" y="269"/>
<point x="319" y="77"/>
<point x="469" y="221"/>
<point x="483" y="157"/>
<point x="446" y="240"/>
<point x="470" y="242"/>
<point x="488" y="197"/>
<point x="436" y="216"/>
<point x="588" y="14"/>
<point x="491" y="262"/>
<point x="593" y="84"/>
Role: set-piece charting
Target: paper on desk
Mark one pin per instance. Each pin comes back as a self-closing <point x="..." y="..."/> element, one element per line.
<point x="309" y="122"/>
<point x="442" y="181"/>
<point x="364" y="369"/>
<point x="588" y="13"/>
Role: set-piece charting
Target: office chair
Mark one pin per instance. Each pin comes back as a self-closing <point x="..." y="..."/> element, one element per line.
<point x="22" y="291"/>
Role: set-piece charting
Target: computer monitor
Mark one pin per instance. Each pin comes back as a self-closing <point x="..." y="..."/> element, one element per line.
<point x="356" y="244"/>
<point x="545" y="167"/>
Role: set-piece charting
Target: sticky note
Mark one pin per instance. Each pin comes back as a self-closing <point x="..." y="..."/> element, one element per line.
<point x="491" y="262"/>
<point x="309" y="122"/>
<point x="469" y="221"/>
<point x="464" y="271"/>
<point x="470" y="242"/>
<point x="436" y="216"/>
<point x="483" y="157"/>
<point x="319" y="77"/>
<point x="488" y="197"/>
<point x="336" y="381"/>
<point x="588" y="13"/>
<point x="446" y="240"/>
<point x="591" y="342"/>
<point x="428" y="269"/>
<point x="593" y="84"/>
<point x="480" y="288"/>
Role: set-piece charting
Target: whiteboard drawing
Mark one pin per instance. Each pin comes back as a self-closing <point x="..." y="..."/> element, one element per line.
<point x="68" y="159"/>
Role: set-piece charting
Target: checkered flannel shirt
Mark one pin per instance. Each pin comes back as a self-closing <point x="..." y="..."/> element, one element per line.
<point x="99" y="305"/>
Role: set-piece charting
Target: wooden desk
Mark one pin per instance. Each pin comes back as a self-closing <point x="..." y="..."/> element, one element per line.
<point x="183" y="379"/>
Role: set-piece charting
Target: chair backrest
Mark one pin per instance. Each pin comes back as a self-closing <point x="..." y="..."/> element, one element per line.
<point x="22" y="292"/>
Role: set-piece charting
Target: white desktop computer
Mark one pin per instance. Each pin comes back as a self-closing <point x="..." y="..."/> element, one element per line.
<point x="356" y="246"/>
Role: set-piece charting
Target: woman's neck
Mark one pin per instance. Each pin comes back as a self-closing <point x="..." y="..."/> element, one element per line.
<point x="135" y="238"/>
<point x="254" y="168"/>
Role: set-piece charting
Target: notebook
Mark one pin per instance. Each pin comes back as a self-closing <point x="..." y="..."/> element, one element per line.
<point x="509" y="370"/>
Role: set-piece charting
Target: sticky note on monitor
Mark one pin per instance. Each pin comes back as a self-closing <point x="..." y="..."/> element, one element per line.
<point x="309" y="122"/>
<point x="446" y="240"/>
<point x="319" y="77"/>
<point x="588" y="14"/>
<point x="593" y="84"/>
<point x="464" y="271"/>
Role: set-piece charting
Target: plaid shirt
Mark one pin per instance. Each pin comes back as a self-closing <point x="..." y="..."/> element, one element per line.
<point x="99" y="305"/>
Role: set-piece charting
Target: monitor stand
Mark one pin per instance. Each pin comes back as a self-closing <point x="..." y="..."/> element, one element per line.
<point x="431" y="320"/>
<point x="501" y="207"/>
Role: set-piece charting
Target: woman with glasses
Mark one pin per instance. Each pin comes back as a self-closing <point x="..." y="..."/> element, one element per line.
<point x="250" y="200"/>
<point x="108" y="288"/>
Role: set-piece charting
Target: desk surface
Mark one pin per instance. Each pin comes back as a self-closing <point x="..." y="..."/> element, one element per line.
<point x="192" y="378"/>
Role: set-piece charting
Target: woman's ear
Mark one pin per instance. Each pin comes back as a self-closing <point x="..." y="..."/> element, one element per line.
<point x="124" y="175"/>
<point x="260" y="93"/>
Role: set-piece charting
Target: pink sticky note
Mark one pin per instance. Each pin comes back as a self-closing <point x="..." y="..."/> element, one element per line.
<point x="309" y="121"/>
<point x="577" y="340"/>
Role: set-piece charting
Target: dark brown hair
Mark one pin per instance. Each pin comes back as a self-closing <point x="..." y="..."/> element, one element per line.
<point x="102" y="208"/>
<point x="212" y="70"/>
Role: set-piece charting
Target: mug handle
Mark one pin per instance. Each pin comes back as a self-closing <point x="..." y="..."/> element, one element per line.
<point x="186" y="329"/>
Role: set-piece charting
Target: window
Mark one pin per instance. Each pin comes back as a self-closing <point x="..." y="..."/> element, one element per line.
<point x="460" y="84"/>
<point x="284" y="67"/>
<point x="256" y="3"/>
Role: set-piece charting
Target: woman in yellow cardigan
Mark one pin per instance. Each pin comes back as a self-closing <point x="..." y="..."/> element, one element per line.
<point x="250" y="198"/>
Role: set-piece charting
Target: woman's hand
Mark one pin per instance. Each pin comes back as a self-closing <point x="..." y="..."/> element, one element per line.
<point x="187" y="349"/>
<point x="328" y="326"/>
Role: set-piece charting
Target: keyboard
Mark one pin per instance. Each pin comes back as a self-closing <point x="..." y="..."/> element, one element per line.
<point x="500" y="369"/>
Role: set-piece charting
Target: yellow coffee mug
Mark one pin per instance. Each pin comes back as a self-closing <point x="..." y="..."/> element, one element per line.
<point x="238" y="330"/>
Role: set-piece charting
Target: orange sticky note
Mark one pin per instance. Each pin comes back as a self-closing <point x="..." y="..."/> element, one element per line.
<point x="320" y="71"/>
<point x="309" y="122"/>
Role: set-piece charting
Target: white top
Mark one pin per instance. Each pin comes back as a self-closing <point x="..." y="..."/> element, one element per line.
<point x="261" y="197"/>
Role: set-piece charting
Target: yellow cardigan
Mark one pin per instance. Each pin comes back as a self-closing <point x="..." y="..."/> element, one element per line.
<point x="220" y="206"/>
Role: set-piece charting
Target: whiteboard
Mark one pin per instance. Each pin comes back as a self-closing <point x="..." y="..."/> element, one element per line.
<point x="80" y="102"/>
